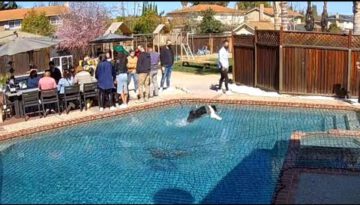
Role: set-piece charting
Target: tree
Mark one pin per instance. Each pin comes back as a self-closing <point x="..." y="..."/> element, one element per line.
<point x="184" y="3"/>
<point x="209" y="24"/>
<point x="7" y="5"/>
<point x="356" y="11"/>
<point x="333" y="28"/>
<point x="147" y="22"/>
<point x="85" y="22"/>
<point x="37" y="23"/>
<point x="324" y="18"/>
<point x="309" y="18"/>
<point x="314" y="10"/>
<point x="245" y="5"/>
<point x="220" y="3"/>
<point x="277" y="11"/>
<point x="284" y="15"/>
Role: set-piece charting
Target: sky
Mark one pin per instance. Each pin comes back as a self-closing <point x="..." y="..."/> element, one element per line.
<point x="341" y="7"/>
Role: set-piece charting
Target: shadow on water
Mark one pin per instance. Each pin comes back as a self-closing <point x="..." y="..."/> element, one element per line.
<point x="252" y="180"/>
<point x="173" y="196"/>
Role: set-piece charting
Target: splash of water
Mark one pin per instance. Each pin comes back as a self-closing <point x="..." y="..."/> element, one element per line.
<point x="177" y="123"/>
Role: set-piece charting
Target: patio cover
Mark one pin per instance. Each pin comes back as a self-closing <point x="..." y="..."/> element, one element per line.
<point x="111" y="37"/>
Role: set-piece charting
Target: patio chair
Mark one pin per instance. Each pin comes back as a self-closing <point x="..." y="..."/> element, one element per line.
<point x="72" y="93"/>
<point x="90" y="90"/>
<point x="31" y="100"/>
<point x="8" y="106"/>
<point x="50" y="97"/>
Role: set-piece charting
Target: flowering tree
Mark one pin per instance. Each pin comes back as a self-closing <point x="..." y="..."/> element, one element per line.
<point x="83" y="23"/>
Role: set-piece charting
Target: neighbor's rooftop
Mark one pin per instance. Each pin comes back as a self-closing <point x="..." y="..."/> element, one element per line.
<point x="18" y="14"/>
<point x="204" y="7"/>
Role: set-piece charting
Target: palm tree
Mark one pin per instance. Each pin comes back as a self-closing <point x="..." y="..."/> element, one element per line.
<point x="309" y="18"/>
<point x="276" y="7"/>
<point x="356" y="10"/>
<point x="324" y="18"/>
<point x="284" y="15"/>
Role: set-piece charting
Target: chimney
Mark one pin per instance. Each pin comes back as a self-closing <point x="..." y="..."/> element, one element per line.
<point x="261" y="12"/>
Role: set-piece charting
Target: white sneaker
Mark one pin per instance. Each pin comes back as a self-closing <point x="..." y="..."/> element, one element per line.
<point x="228" y="92"/>
<point x="123" y="106"/>
<point x="101" y="109"/>
<point x="112" y="108"/>
<point x="161" y="89"/>
<point x="117" y="105"/>
<point x="220" y="91"/>
<point x="215" y="116"/>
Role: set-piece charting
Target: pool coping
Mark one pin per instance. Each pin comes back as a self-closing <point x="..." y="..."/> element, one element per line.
<point x="288" y="180"/>
<point x="168" y="102"/>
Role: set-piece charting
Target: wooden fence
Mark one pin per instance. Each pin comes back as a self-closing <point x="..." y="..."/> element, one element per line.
<point x="302" y="63"/>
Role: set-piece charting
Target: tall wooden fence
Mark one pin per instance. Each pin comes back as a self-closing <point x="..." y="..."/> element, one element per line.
<point x="297" y="62"/>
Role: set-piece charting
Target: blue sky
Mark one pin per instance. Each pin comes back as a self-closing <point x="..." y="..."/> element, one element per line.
<point x="344" y="7"/>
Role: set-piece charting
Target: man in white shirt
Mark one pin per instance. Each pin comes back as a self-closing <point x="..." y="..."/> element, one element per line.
<point x="223" y="64"/>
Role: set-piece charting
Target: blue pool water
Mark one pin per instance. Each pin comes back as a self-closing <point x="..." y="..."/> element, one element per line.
<point x="155" y="157"/>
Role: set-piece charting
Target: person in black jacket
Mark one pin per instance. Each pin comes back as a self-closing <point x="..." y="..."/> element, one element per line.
<point x="122" y="78"/>
<point x="167" y="62"/>
<point x="55" y="72"/>
<point x="143" y="69"/>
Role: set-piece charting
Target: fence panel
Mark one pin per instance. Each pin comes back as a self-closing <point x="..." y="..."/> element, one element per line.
<point x="267" y="67"/>
<point x="244" y="58"/>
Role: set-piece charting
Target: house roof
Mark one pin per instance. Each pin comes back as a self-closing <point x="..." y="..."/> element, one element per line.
<point x="348" y="18"/>
<point x="204" y="7"/>
<point x="6" y="36"/>
<point x="261" y="25"/>
<point x="17" y="14"/>
<point x="270" y="12"/>
<point x="118" y="25"/>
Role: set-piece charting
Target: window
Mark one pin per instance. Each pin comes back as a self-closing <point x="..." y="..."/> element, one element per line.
<point x="14" y="24"/>
<point x="55" y="20"/>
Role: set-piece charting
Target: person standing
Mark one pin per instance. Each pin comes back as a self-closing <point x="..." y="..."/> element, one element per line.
<point x="122" y="77"/>
<point x="11" y="69"/>
<point x="167" y="62"/>
<point x="143" y="69"/>
<point x="55" y="72"/>
<point x="131" y="65"/>
<point x="155" y="66"/>
<point x="105" y="75"/>
<point x="223" y="64"/>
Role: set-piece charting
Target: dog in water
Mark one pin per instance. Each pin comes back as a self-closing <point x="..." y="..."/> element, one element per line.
<point x="201" y="111"/>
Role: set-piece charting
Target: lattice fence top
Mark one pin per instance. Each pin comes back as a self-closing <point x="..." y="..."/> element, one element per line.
<point x="268" y="37"/>
<point x="315" y="39"/>
<point x="355" y="42"/>
<point x="244" y="40"/>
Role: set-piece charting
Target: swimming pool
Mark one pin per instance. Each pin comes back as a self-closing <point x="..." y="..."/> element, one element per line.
<point x="154" y="156"/>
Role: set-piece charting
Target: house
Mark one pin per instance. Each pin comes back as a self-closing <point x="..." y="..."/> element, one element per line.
<point x="248" y="28"/>
<point x="344" y="22"/>
<point x="227" y="16"/>
<point x="11" y="19"/>
<point x="267" y="14"/>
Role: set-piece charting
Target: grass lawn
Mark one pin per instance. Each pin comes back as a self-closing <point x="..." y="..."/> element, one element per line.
<point x="199" y="68"/>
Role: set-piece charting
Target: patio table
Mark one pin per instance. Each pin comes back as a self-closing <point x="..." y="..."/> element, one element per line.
<point x="18" y="100"/>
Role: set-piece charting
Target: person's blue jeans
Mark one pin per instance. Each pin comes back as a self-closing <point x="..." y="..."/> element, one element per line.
<point x="166" y="76"/>
<point x="135" y="77"/>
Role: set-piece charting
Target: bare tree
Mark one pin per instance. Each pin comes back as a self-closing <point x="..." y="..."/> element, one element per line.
<point x="309" y="18"/>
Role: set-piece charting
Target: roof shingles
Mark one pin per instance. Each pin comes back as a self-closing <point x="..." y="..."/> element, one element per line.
<point x="204" y="7"/>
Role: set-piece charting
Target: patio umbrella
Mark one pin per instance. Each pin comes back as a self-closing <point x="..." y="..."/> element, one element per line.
<point x="20" y="45"/>
<point x="111" y="37"/>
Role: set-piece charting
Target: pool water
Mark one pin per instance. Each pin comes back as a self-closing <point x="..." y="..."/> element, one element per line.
<point x="154" y="156"/>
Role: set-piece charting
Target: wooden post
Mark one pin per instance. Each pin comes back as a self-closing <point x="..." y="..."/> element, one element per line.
<point x="211" y="44"/>
<point x="233" y="57"/>
<point x="255" y="58"/>
<point x="349" y="64"/>
<point x="280" y="60"/>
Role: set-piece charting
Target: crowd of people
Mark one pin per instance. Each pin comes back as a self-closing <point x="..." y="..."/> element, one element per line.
<point x="113" y="75"/>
